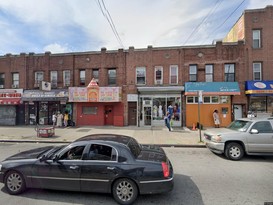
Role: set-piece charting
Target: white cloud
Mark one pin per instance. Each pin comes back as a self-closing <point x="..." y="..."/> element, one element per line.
<point x="29" y="25"/>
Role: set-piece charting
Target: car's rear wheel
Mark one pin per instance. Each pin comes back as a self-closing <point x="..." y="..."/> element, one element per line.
<point x="14" y="182"/>
<point x="234" y="151"/>
<point x="125" y="191"/>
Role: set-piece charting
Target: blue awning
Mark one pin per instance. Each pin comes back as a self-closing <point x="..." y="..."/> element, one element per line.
<point x="259" y="88"/>
<point x="212" y="88"/>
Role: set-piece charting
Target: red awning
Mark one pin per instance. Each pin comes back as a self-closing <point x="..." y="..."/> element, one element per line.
<point x="10" y="101"/>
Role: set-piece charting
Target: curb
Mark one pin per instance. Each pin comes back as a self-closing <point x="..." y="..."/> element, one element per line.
<point x="67" y="142"/>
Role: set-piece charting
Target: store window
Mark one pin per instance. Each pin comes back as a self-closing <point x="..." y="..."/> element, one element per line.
<point x="256" y="35"/>
<point x="89" y="110"/>
<point x="53" y="78"/>
<point x="15" y="80"/>
<point x="112" y="76"/>
<point x="158" y="75"/>
<point x="229" y="73"/>
<point x="173" y="74"/>
<point x="209" y="73"/>
<point x="257" y="71"/>
<point x="140" y="75"/>
<point x="193" y="73"/>
<point x="66" y="78"/>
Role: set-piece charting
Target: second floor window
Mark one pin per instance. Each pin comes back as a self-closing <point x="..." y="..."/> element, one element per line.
<point x="229" y="73"/>
<point x="158" y="75"/>
<point x="82" y="77"/>
<point x="256" y="35"/>
<point x="173" y="74"/>
<point x="140" y="75"/>
<point x="257" y="71"/>
<point x="39" y="77"/>
<point x="193" y="73"/>
<point x="112" y="75"/>
<point x="66" y="78"/>
<point x="209" y="73"/>
<point x="95" y="75"/>
<point x="15" y="80"/>
<point x="2" y="80"/>
<point x="53" y="78"/>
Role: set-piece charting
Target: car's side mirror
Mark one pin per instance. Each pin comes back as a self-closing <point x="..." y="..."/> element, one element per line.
<point x="254" y="131"/>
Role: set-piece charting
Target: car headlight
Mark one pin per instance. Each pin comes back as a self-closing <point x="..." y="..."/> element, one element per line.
<point x="216" y="138"/>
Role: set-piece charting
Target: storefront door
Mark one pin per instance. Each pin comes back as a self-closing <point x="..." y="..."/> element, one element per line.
<point x="132" y="113"/>
<point x="108" y="115"/>
<point x="148" y="115"/>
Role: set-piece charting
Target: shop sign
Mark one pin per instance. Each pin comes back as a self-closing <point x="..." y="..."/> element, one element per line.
<point x="91" y="94"/>
<point x="32" y="95"/>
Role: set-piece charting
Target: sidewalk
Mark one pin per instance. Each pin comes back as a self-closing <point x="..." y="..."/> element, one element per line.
<point x="179" y="137"/>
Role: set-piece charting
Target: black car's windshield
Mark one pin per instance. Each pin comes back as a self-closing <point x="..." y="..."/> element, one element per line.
<point x="240" y="125"/>
<point x="52" y="151"/>
<point x="134" y="147"/>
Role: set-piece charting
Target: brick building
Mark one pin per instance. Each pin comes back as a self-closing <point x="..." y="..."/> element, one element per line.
<point x="137" y="86"/>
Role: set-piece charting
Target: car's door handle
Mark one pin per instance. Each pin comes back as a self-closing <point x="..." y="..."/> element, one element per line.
<point x="111" y="168"/>
<point x="73" y="167"/>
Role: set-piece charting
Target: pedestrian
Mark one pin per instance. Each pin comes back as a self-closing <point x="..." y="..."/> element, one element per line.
<point x="66" y="118"/>
<point x="54" y="119"/>
<point x="167" y="121"/>
<point x="59" y="119"/>
<point x="216" y="118"/>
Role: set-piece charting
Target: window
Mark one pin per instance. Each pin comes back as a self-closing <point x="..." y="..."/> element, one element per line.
<point x="192" y="99"/>
<point x="95" y="75"/>
<point x="112" y="76"/>
<point x="263" y="127"/>
<point x="173" y="74"/>
<point x="75" y="153"/>
<point x="140" y="75"/>
<point x="82" y="77"/>
<point x="66" y="78"/>
<point x="229" y="73"/>
<point x="39" y="77"/>
<point x="257" y="71"/>
<point x="2" y="80"/>
<point x="209" y="73"/>
<point x="89" y="110"/>
<point x="102" y="153"/>
<point x="256" y="38"/>
<point x="158" y="75"/>
<point x="15" y="80"/>
<point x="193" y="73"/>
<point x="53" y="78"/>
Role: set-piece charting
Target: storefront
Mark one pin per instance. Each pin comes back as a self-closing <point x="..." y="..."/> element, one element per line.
<point x="94" y="105"/>
<point x="202" y="98"/>
<point x="40" y="105"/>
<point x="154" y="102"/>
<point x="11" y="109"/>
<point x="260" y="97"/>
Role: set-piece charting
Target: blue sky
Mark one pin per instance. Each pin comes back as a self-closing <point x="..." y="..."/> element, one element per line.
<point x="62" y="26"/>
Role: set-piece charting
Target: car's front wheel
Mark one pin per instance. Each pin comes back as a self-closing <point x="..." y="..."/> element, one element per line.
<point x="125" y="191"/>
<point x="234" y="151"/>
<point x="14" y="182"/>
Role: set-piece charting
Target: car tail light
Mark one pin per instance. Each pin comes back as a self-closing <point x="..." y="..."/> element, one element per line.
<point x="166" y="170"/>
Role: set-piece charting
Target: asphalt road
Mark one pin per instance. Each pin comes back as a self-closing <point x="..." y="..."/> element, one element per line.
<point x="201" y="177"/>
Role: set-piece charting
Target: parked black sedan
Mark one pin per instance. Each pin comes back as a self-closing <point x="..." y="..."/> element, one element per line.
<point x="102" y="163"/>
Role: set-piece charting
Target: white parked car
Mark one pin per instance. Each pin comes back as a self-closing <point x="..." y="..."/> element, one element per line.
<point x="252" y="136"/>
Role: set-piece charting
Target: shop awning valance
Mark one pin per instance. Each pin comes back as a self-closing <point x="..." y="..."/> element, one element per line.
<point x="212" y="88"/>
<point x="10" y="101"/>
<point x="259" y="88"/>
<point x="165" y="89"/>
<point x="38" y="95"/>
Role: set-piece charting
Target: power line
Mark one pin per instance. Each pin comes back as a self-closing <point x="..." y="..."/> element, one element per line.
<point x="206" y="17"/>
<point x="108" y="17"/>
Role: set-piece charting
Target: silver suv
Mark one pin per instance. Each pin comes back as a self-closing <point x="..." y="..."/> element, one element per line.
<point x="251" y="136"/>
